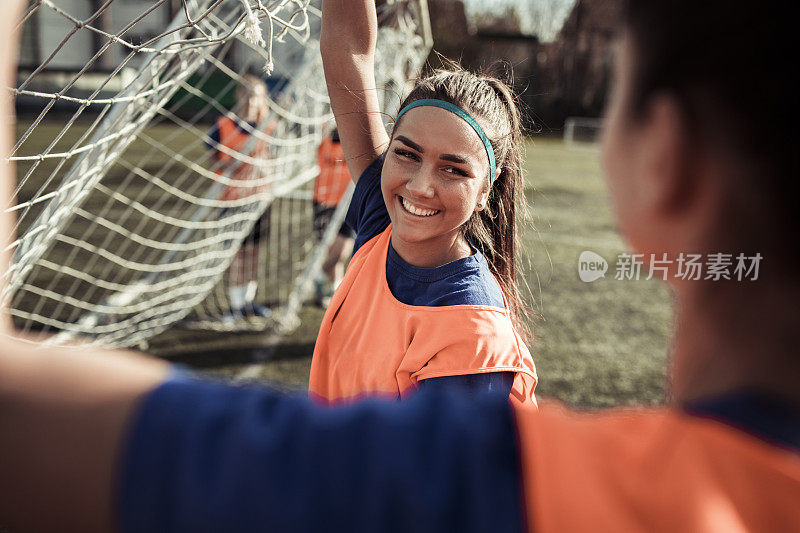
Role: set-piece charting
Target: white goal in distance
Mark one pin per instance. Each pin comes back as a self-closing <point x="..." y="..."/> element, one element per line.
<point x="582" y="131"/>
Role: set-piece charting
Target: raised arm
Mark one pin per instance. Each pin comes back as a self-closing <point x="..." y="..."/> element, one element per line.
<point x="347" y="43"/>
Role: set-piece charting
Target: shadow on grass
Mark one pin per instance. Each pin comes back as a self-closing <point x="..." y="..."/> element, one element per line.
<point x="245" y="356"/>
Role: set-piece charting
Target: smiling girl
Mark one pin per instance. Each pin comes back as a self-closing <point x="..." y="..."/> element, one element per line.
<point x="430" y="297"/>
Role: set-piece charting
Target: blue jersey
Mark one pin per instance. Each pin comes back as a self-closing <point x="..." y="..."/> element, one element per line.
<point x="204" y="456"/>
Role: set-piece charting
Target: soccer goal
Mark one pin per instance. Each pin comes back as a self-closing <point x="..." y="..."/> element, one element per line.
<point x="581" y="131"/>
<point x="150" y="185"/>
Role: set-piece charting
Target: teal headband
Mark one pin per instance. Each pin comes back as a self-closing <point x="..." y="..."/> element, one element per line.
<point x="431" y="102"/>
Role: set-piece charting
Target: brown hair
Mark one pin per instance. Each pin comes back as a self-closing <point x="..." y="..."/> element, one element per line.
<point x="493" y="230"/>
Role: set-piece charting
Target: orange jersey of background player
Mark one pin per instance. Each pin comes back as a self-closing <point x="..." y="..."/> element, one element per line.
<point x="234" y="140"/>
<point x="334" y="177"/>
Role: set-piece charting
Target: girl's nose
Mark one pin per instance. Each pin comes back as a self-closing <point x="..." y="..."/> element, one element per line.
<point x="421" y="184"/>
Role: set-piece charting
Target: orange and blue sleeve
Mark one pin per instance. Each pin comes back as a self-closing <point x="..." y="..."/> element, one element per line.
<point x="755" y="412"/>
<point x="204" y="456"/>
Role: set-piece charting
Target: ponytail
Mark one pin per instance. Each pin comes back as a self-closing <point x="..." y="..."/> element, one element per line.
<point x="494" y="229"/>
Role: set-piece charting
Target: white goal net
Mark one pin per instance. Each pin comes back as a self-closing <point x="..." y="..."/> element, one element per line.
<point x="166" y="154"/>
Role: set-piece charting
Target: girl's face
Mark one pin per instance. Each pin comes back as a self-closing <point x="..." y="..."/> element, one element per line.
<point x="255" y="103"/>
<point x="435" y="174"/>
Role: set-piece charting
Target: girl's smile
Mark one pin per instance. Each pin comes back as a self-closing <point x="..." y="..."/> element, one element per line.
<point x="415" y="209"/>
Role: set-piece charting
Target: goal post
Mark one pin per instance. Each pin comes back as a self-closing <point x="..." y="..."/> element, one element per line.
<point x="135" y="209"/>
<point x="582" y="130"/>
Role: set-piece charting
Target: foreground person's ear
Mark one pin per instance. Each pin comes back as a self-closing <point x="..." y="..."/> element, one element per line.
<point x="668" y="162"/>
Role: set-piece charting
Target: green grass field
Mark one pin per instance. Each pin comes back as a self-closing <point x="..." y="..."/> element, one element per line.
<point x="596" y="344"/>
<point x="602" y="343"/>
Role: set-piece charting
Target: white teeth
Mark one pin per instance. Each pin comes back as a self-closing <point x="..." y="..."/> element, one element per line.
<point x="416" y="210"/>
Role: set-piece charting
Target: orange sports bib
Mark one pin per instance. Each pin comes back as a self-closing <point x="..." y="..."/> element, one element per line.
<point x="231" y="137"/>
<point x="370" y="343"/>
<point x="652" y="470"/>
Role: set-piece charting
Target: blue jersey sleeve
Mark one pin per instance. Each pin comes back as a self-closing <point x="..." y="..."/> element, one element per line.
<point x="367" y="214"/>
<point x="204" y="456"/>
<point x="472" y="384"/>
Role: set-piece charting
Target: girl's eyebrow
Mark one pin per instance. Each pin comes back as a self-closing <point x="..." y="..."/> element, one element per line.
<point x="410" y="143"/>
<point x="454" y="158"/>
<point x="446" y="157"/>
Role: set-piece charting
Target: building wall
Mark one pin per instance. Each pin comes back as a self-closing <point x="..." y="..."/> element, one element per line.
<point x="574" y="71"/>
<point x="566" y="77"/>
<point x="45" y="31"/>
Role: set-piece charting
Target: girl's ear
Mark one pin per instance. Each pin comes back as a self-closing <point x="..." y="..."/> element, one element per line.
<point x="481" y="205"/>
<point x="484" y="196"/>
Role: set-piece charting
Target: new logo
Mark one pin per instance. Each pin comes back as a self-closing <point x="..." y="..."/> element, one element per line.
<point x="591" y="266"/>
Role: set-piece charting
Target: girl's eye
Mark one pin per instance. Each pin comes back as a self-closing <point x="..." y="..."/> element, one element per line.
<point x="456" y="171"/>
<point x="406" y="154"/>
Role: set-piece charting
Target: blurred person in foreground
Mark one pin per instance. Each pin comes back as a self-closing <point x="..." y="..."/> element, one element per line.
<point x="701" y="157"/>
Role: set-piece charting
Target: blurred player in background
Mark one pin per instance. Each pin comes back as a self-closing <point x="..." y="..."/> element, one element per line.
<point x="232" y="139"/>
<point x="329" y="187"/>
<point x="697" y="158"/>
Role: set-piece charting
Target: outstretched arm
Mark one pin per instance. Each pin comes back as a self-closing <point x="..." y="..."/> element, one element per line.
<point x="8" y="70"/>
<point x="347" y="42"/>
<point x="63" y="415"/>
